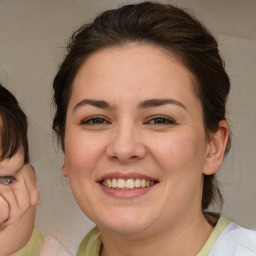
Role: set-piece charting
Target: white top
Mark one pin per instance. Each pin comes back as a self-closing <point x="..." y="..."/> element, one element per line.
<point x="52" y="247"/>
<point x="236" y="241"/>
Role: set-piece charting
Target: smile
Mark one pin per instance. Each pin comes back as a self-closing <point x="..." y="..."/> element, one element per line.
<point x="127" y="184"/>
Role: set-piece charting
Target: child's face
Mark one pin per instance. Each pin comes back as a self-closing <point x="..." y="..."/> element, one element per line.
<point x="19" y="196"/>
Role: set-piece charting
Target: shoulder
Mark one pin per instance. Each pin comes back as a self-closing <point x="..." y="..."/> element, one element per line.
<point x="235" y="240"/>
<point x="33" y="246"/>
<point x="91" y="244"/>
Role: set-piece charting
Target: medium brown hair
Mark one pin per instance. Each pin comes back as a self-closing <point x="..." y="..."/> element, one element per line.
<point x="14" y="125"/>
<point x="160" y="25"/>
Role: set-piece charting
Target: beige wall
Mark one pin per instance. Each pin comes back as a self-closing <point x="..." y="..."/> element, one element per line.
<point x="33" y="34"/>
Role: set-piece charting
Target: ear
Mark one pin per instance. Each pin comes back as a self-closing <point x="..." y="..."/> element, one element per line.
<point x="216" y="149"/>
<point x="64" y="170"/>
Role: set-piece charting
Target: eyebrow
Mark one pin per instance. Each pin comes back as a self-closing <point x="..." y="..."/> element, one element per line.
<point x="96" y="103"/>
<point x="144" y="104"/>
<point x="160" y="102"/>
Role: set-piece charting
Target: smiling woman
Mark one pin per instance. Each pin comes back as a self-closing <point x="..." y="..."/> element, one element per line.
<point x="140" y="115"/>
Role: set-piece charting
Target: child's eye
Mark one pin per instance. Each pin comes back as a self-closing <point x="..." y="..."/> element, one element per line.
<point x="6" y="180"/>
<point x="94" y="121"/>
<point x="159" y="120"/>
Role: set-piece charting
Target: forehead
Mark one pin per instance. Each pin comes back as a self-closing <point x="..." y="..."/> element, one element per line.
<point x="132" y="72"/>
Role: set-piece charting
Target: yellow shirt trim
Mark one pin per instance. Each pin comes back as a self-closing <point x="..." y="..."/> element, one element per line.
<point x="220" y="226"/>
<point x="32" y="248"/>
<point x="91" y="244"/>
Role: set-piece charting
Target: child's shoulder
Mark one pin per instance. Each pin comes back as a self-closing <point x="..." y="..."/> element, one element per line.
<point x="33" y="246"/>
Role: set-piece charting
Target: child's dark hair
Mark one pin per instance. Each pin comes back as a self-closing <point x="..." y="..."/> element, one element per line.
<point x="13" y="126"/>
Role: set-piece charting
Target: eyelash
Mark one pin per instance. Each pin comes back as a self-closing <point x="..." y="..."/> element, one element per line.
<point x="157" y="120"/>
<point x="161" y="120"/>
<point x="95" y="120"/>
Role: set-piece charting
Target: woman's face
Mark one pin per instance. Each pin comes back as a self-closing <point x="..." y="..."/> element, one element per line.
<point x="135" y="144"/>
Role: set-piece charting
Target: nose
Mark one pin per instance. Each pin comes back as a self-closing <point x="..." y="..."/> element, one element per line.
<point x="126" y="145"/>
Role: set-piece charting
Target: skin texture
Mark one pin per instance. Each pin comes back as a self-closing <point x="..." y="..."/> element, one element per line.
<point x="166" y="142"/>
<point x="22" y="197"/>
<point x="18" y="202"/>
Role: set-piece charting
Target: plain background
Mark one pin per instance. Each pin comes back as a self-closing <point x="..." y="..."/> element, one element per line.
<point x="33" y="36"/>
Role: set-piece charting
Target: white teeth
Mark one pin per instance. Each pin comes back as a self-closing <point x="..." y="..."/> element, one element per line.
<point x="127" y="184"/>
<point x="137" y="183"/>
<point x="121" y="183"/>
<point x="114" y="183"/>
<point x="130" y="183"/>
<point x="109" y="183"/>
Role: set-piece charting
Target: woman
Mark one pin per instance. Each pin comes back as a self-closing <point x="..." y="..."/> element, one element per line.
<point x="18" y="191"/>
<point x="140" y="113"/>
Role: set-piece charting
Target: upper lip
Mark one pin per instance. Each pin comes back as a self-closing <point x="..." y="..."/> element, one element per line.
<point x="131" y="175"/>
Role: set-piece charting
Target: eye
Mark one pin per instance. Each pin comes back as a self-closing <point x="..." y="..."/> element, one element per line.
<point x="95" y="120"/>
<point x="6" y="180"/>
<point x="161" y="120"/>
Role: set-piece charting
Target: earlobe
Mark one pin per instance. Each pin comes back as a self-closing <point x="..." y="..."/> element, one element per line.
<point x="64" y="170"/>
<point x="217" y="146"/>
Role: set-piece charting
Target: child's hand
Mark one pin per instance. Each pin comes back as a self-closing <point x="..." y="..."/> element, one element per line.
<point x="18" y="202"/>
<point x="4" y="211"/>
<point x="17" y="195"/>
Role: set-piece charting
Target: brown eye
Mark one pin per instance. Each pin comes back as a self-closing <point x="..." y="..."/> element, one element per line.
<point x="159" y="120"/>
<point x="94" y="121"/>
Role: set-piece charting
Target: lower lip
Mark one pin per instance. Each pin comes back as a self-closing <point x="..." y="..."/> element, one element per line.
<point x="126" y="194"/>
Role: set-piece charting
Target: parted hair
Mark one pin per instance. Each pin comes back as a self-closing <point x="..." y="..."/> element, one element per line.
<point x="159" y="25"/>
<point x="13" y="128"/>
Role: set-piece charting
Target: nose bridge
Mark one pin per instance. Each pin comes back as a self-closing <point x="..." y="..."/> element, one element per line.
<point x="126" y="144"/>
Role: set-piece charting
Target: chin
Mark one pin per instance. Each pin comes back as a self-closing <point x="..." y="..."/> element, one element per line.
<point x="127" y="222"/>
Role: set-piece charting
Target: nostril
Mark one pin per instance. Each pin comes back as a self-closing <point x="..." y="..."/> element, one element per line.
<point x="125" y="150"/>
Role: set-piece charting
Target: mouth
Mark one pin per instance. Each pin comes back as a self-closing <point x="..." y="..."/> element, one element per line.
<point x="127" y="184"/>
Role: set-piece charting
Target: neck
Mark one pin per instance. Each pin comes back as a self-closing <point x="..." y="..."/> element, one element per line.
<point x="181" y="239"/>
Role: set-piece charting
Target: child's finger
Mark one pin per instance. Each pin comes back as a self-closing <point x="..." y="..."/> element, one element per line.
<point x="4" y="211"/>
<point x="27" y="179"/>
<point x="18" y="198"/>
<point x="29" y="176"/>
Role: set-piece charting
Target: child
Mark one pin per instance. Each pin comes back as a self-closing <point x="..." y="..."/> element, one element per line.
<point x="18" y="190"/>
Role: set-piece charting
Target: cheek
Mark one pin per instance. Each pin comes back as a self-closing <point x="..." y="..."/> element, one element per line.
<point x="173" y="148"/>
<point x="179" y="154"/>
<point x="181" y="159"/>
<point x="82" y="154"/>
<point x="80" y="160"/>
